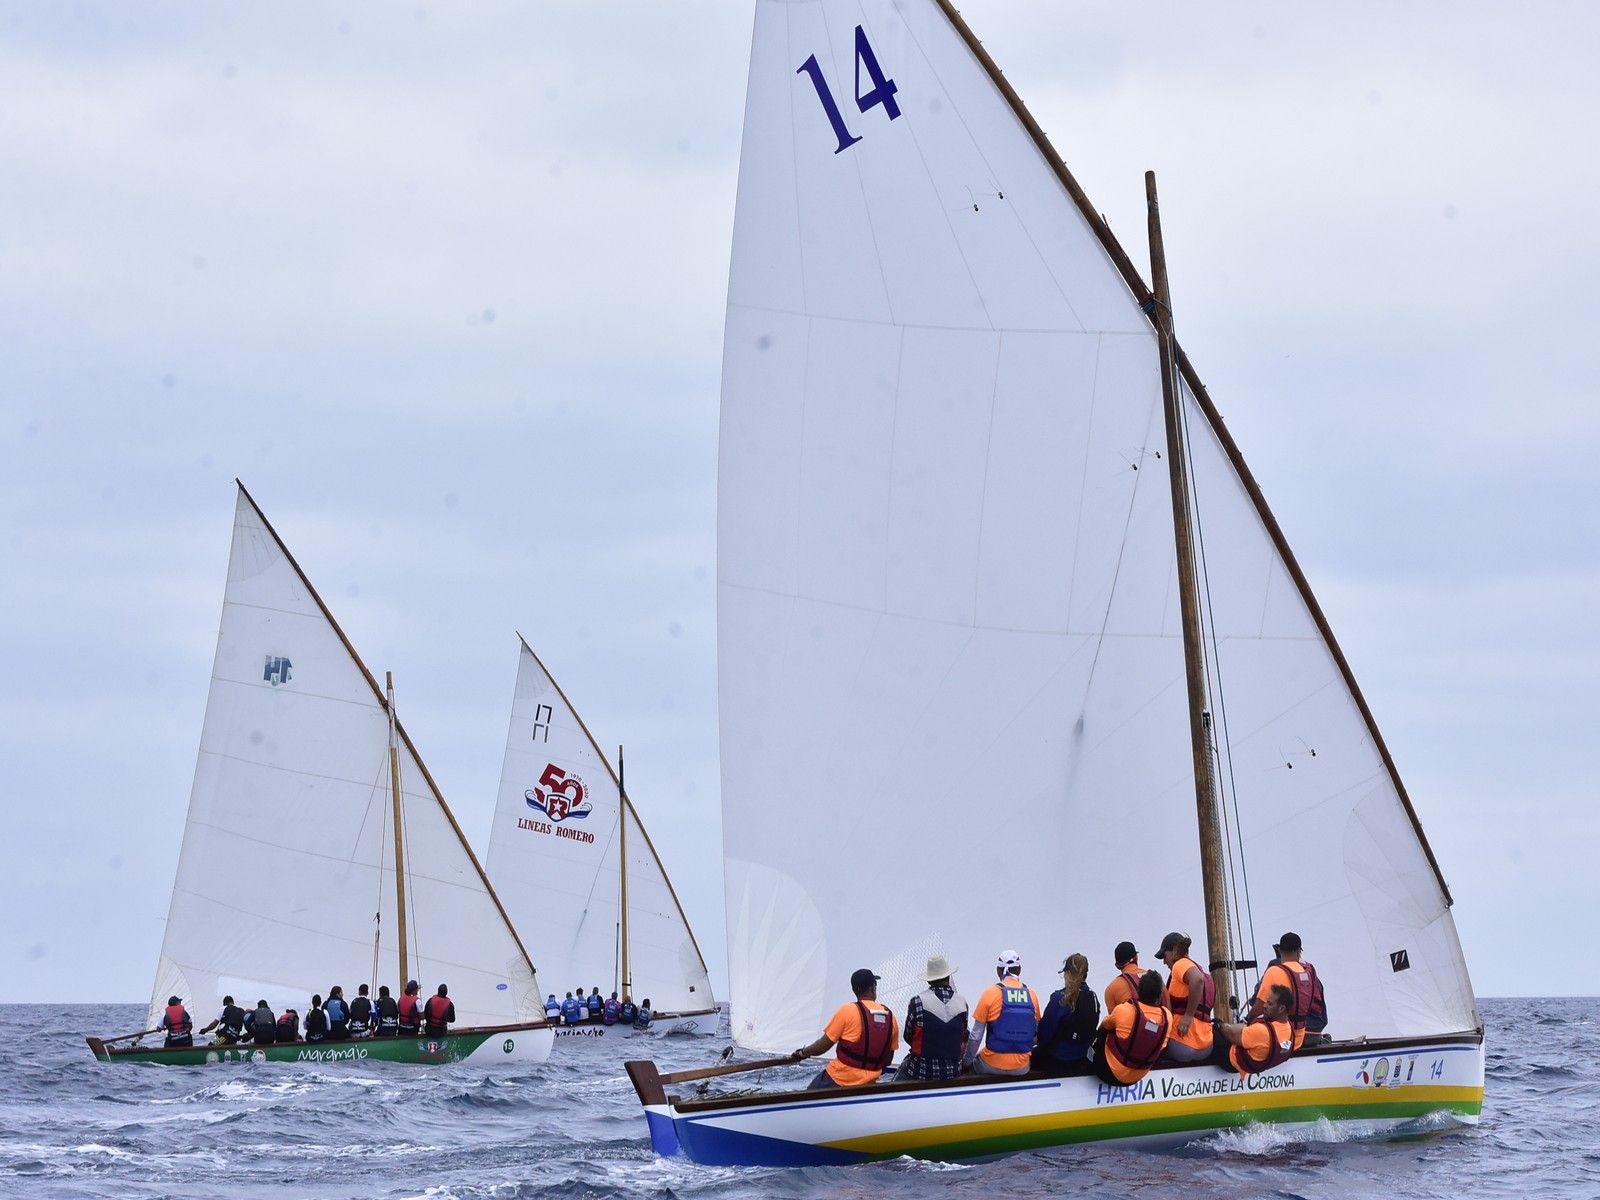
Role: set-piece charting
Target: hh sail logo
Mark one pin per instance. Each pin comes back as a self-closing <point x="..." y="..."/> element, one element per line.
<point x="560" y="796"/>
<point x="276" y="670"/>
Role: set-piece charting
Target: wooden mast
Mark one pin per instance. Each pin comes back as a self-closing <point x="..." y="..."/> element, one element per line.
<point x="622" y="865"/>
<point x="399" y="846"/>
<point x="1211" y="873"/>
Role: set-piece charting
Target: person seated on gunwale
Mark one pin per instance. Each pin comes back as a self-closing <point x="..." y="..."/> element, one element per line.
<point x="289" y="1026"/>
<point x="385" y="1014"/>
<point x="595" y="1004"/>
<point x="1309" y="1013"/>
<point x="410" y="1010"/>
<point x="1190" y="994"/>
<point x="1135" y="1033"/>
<point x="361" y="1013"/>
<point x="552" y="1008"/>
<point x="1263" y="1041"/>
<point x="629" y="1011"/>
<point x="645" y="1015"/>
<point x="262" y="1025"/>
<point x="317" y="1021"/>
<point x="337" y="1010"/>
<point x="176" y="1021"/>
<point x="1124" y="986"/>
<point x="1067" y="1029"/>
<point x="572" y="1010"/>
<point x="865" y="1033"/>
<point x="936" y="1026"/>
<point x="610" y="1009"/>
<point x="229" y="1023"/>
<point x="438" y="1014"/>
<point x="1004" y="1023"/>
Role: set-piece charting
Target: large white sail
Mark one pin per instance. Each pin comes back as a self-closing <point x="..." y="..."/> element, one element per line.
<point x="555" y="857"/>
<point x="285" y="882"/>
<point x="951" y="670"/>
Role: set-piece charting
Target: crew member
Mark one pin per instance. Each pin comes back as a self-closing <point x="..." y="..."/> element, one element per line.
<point x="572" y="1009"/>
<point x="1124" y="986"/>
<point x="438" y="1014"/>
<point x="937" y="1020"/>
<point x="865" y="1034"/>
<point x="629" y="1012"/>
<point x="317" y="1021"/>
<point x="180" y="1029"/>
<point x="1135" y="1033"/>
<point x="1004" y="1023"/>
<point x="263" y="1026"/>
<point x="289" y="1026"/>
<point x="1262" y="1042"/>
<point x="410" y="1011"/>
<point x="1067" y="1029"/>
<point x="595" y="1004"/>
<point x="552" y="1007"/>
<point x="385" y="1014"/>
<point x="610" y="1009"/>
<point x="642" y="1021"/>
<point x="1309" y="1012"/>
<point x="1191" y="993"/>
<point x="361" y="1013"/>
<point x="337" y="1010"/>
<point x="229" y="1023"/>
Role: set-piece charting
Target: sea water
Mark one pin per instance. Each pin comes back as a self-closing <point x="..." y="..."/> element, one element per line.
<point x="72" y="1127"/>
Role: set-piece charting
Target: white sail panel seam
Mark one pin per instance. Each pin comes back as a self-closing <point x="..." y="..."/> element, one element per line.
<point x="952" y="327"/>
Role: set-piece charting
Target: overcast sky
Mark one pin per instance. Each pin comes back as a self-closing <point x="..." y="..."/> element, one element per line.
<point x="444" y="286"/>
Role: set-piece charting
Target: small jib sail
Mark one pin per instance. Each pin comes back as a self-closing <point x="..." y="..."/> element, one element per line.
<point x="951" y="655"/>
<point x="286" y="881"/>
<point x="562" y="836"/>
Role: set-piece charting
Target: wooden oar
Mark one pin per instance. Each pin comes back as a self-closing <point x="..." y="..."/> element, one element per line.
<point x="761" y="1064"/>
<point x="128" y="1037"/>
<point x="649" y="1082"/>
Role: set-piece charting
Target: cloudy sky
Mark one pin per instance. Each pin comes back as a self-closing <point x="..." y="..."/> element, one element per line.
<point x="443" y="285"/>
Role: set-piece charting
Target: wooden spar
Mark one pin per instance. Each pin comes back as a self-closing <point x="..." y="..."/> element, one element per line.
<point x="399" y="846"/>
<point x="1141" y="293"/>
<point x="1211" y="872"/>
<point x="127" y="1037"/>
<point x="761" y="1064"/>
<point x="622" y="865"/>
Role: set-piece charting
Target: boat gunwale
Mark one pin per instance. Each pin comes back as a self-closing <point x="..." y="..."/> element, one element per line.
<point x="685" y="1107"/>
<point x="99" y="1047"/>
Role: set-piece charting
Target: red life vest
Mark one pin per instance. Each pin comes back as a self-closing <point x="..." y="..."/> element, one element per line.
<point x="1278" y="1048"/>
<point x="1140" y="1049"/>
<point x="1303" y="983"/>
<point x="437" y="1005"/>
<point x="872" y="1052"/>
<point x="178" y="1019"/>
<point x="409" y="1010"/>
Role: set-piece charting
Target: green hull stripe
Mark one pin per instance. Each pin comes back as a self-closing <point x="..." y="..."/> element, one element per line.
<point x="408" y="1050"/>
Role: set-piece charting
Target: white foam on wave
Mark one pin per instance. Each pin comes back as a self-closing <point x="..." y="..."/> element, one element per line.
<point x="1259" y="1141"/>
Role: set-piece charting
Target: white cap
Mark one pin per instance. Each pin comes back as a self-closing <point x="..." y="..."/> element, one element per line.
<point x="1009" y="960"/>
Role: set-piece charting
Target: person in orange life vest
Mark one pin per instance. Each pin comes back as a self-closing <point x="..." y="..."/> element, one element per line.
<point x="936" y="1026"/>
<point x="180" y="1029"/>
<point x="1124" y="986"/>
<point x="1190" y="995"/>
<point x="1004" y="1023"/>
<point x="1309" y="1011"/>
<point x="865" y="1032"/>
<point x="1262" y="1042"/>
<point x="410" y="1011"/>
<point x="1133" y="1035"/>
<point x="438" y="1013"/>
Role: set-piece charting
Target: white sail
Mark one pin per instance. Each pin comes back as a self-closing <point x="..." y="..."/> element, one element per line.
<point x="555" y="854"/>
<point x="951" y="670"/>
<point x="285" y="882"/>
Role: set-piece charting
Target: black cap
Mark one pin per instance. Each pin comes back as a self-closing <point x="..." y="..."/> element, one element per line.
<point x="1125" y="953"/>
<point x="1289" y="941"/>
<point x="861" y="979"/>
<point x="173" y="1000"/>
<point x="1170" y="942"/>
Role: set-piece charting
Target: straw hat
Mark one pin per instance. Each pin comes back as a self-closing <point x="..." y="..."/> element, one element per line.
<point x="938" y="968"/>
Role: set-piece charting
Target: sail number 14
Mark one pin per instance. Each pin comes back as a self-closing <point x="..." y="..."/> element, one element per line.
<point x="882" y="92"/>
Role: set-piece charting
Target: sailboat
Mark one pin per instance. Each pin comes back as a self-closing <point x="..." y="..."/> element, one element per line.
<point x="570" y="858"/>
<point x="1012" y="652"/>
<point x="318" y="850"/>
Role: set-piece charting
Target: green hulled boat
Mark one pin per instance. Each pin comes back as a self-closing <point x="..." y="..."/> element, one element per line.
<point x="485" y="1046"/>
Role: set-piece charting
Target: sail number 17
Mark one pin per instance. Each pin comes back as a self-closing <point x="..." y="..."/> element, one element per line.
<point x="882" y="92"/>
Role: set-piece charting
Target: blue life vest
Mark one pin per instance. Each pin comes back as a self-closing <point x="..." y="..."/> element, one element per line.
<point x="642" y="1021"/>
<point x="1012" y="1032"/>
<point x="942" y="1034"/>
<point x="336" y="1010"/>
<point x="595" y="1004"/>
<point x="571" y="1011"/>
<point x="552" y="1008"/>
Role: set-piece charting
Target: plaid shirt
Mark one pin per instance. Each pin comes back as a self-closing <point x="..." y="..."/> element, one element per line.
<point x="915" y="1066"/>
